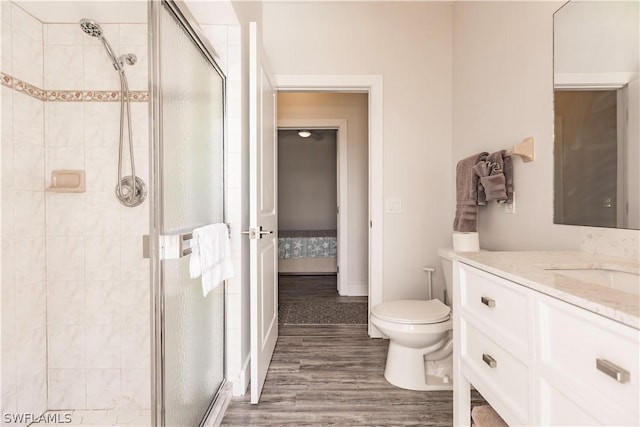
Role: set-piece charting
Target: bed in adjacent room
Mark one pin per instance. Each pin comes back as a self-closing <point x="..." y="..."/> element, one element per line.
<point x="307" y="251"/>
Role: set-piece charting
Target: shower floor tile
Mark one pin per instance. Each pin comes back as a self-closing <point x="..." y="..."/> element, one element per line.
<point x="98" y="418"/>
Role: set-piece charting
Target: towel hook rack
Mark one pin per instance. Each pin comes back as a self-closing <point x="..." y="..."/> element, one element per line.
<point x="172" y="246"/>
<point x="525" y="150"/>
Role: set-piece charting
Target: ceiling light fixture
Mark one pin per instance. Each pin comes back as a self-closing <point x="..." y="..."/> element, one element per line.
<point x="304" y="133"/>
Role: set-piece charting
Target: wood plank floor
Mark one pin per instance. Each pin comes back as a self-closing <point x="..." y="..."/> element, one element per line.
<point x="334" y="375"/>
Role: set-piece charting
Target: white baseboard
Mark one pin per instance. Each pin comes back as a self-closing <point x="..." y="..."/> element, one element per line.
<point x="357" y="289"/>
<point x="240" y="386"/>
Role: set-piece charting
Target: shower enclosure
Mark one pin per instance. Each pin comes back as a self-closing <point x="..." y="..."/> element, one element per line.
<point x="98" y="328"/>
<point x="188" y="175"/>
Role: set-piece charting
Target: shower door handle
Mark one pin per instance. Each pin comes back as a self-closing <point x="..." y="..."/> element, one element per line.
<point x="146" y="246"/>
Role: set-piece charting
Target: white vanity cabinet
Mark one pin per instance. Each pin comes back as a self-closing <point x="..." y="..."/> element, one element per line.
<point x="587" y="367"/>
<point x="539" y="360"/>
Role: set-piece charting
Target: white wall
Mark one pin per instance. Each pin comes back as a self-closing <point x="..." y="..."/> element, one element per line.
<point x="307" y="181"/>
<point x="409" y="44"/>
<point x="353" y="107"/>
<point x="600" y="25"/>
<point x="502" y="93"/>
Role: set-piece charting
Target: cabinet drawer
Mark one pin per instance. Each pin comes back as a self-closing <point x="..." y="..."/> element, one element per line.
<point x="501" y="304"/>
<point x="500" y="373"/>
<point x="572" y="340"/>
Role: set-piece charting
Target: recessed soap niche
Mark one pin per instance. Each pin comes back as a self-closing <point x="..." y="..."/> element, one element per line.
<point x="67" y="181"/>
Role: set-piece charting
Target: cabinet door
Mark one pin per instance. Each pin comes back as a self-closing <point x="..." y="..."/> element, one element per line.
<point x="558" y="409"/>
<point x="579" y="354"/>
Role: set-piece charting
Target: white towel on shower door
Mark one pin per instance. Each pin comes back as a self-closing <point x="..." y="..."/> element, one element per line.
<point x="211" y="256"/>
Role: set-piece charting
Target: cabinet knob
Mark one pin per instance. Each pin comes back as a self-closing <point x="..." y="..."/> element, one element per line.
<point x="613" y="370"/>
<point x="488" y="302"/>
<point x="490" y="361"/>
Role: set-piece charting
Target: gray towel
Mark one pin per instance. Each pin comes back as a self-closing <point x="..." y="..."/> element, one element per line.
<point x="492" y="178"/>
<point x="508" y="175"/>
<point x="467" y="193"/>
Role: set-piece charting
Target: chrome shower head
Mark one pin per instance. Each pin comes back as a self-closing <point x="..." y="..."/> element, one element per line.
<point x="91" y="27"/>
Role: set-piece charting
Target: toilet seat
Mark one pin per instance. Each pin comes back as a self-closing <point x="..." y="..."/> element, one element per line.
<point x="416" y="312"/>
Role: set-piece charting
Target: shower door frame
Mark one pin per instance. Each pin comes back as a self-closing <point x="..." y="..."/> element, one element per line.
<point x="180" y="11"/>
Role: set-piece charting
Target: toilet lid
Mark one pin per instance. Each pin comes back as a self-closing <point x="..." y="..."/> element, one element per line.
<point x="412" y="311"/>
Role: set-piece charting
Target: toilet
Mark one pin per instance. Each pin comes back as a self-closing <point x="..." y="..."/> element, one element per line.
<point x="420" y="338"/>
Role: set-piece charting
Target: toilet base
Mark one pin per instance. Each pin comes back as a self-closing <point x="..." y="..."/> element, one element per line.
<point x="405" y="368"/>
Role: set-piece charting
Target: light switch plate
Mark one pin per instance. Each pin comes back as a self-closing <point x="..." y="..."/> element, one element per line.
<point x="510" y="208"/>
<point x="393" y="206"/>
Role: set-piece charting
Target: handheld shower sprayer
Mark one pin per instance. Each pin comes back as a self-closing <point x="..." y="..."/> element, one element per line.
<point x="130" y="190"/>
<point x="92" y="28"/>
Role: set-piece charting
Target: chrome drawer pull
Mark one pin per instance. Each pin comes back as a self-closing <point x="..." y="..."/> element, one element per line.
<point x="488" y="302"/>
<point x="489" y="360"/>
<point x="613" y="370"/>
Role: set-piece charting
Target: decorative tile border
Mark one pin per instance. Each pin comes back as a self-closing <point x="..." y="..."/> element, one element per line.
<point x="64" y="95"/>
<point x="7" y="80"/>
<point x="28" y="89"/>
<point x="102" y="95"/>
<point x="139" y="95"/>
<point x="70" y="95"/>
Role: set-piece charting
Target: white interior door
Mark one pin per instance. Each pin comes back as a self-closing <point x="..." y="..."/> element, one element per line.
<point x="263" y="218"/>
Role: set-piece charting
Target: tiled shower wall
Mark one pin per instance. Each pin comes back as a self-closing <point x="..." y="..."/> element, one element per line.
<point x="75" y="315"/>
<point x="24" y="340"/>
<point x="98" y="282"/>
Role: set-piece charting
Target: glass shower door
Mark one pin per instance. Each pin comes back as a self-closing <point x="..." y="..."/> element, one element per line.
<point x="188" y="107"/>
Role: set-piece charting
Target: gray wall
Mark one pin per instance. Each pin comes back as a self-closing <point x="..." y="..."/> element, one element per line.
<point x="307" y="184"/>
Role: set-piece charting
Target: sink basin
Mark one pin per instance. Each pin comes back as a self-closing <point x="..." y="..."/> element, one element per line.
<point x="619" y="280"/>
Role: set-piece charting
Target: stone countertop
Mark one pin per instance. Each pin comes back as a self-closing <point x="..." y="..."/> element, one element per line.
<point x="531" y="269"/>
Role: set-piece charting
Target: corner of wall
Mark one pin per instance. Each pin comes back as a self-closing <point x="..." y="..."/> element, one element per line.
<point x="241" y="384"/>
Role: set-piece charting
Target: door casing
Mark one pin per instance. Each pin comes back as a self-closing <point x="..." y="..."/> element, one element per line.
<point x="373" y="85"/>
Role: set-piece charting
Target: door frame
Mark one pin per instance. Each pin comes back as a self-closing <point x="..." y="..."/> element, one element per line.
<point x="343" y="188"/>
<point x="372" y="84"/>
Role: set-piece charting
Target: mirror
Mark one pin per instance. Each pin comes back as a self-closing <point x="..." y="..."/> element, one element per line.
<point x="596" y="47"/>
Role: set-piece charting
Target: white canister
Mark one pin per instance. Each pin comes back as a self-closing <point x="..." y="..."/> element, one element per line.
<point x="466" y="242"/>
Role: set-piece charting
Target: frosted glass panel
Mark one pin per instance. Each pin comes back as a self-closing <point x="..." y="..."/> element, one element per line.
<point x="192" y="175"/>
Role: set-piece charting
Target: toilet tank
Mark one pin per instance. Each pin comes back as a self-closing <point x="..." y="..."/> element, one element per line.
<point x="447" y="268"/>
